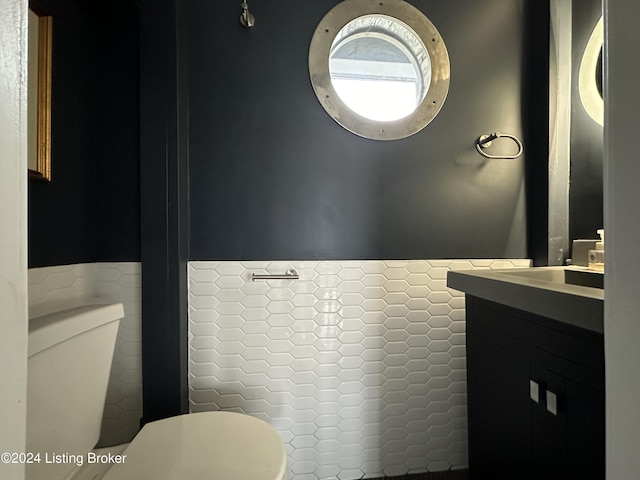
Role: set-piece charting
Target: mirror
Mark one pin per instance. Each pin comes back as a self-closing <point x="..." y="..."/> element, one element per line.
<point x="39" y="96"/>
<point x="600" y="73"/>
<point x="379" y="69"/>
<point x="590" y="76"/>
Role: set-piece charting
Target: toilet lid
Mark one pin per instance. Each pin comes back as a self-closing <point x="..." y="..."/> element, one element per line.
<point x="200" y="446"/>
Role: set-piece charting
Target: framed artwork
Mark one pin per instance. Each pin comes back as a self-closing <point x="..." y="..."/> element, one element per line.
<point x="39" y="96"/>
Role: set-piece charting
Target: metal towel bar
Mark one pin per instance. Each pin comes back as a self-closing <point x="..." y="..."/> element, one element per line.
<point x="290" y="274"/>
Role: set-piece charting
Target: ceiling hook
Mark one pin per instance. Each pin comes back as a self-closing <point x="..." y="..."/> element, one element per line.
<point x="246" y="17"/>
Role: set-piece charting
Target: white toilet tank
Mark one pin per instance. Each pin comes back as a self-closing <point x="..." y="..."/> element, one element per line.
<point x="70" y="354"/>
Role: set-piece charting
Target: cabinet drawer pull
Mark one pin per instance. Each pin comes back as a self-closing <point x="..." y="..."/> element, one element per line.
<point x="534" y="391"/>
<point x="552" y="403"/>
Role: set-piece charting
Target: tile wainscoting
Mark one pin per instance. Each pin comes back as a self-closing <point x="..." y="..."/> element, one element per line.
<point x="65" y="286"/>
<point x="359" y="365"/>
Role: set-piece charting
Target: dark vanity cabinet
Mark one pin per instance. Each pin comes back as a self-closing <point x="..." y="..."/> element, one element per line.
<point x="535" y="395"/>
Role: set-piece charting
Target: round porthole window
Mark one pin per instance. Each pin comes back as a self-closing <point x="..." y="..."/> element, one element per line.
<point x="379" y="68"/>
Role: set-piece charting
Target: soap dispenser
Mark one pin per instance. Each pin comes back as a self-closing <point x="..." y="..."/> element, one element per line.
<point x="596" y="257"/>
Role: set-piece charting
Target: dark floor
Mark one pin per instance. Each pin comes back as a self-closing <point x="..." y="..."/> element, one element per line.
<point x="448" y="475"/>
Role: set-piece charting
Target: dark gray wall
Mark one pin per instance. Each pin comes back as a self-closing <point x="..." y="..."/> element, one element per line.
<point x="117" y="139"/>
<point x="586" y="191"/>
<point x="164" y="159"/>
<point x="90" y="210"/>
<point x="272" y="176"/>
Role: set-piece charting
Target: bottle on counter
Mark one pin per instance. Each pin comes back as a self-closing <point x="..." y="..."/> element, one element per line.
<point x="596" y="256"/>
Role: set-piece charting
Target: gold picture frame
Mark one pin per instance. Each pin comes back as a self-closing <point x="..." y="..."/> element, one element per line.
<point x="39" y="96"/>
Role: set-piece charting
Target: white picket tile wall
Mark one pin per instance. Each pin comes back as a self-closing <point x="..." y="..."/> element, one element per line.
<point x="58" y="287"/>
<point x="359" y="365"/>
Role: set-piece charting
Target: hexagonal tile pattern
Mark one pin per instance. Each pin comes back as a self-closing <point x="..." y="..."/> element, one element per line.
<point x="58" y="287"/>
<point x="361" y="364"/>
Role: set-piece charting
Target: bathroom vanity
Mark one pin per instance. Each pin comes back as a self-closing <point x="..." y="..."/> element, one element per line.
<point x="535" y="373"/>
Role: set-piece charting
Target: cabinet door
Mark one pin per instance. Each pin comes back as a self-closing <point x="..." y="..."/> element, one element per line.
<point x="568" y="424"/>
<point x="499" y="411"/>
<point x="536" y="397"/>
<point x="549" y="426"/>
<point x="586" y="430"/>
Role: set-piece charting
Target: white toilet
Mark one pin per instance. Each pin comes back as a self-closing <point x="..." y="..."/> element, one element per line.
<point x="70" y="356"/>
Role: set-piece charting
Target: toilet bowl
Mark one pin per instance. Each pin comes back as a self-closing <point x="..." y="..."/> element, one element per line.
<point x="207" y="445"/>
<point x="68" y="370"/>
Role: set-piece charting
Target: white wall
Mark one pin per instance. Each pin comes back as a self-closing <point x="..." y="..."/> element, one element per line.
<point x="13" y="233"/>
<point x="65" y="286"/>
<point x="359" y="365"/>
<point x="622" y="225"/>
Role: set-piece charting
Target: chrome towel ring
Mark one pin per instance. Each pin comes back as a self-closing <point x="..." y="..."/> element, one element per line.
<point x="484" y="141"/>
